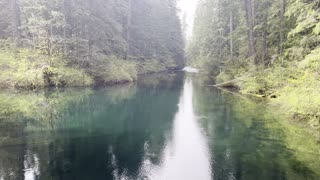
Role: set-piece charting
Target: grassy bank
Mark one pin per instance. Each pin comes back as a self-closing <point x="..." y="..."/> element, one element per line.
<point x="297" y="96"/>
<point x="293" y="87"/>
<point x="30" y="69"/>
<point x="27" y="69"/>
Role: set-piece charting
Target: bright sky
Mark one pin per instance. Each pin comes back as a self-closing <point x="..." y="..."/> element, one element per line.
<point x="188" y="7"/>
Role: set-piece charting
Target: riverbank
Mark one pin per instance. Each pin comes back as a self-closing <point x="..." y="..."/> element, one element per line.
<point x="294" y="89"/>
<point x="28" y="69"/>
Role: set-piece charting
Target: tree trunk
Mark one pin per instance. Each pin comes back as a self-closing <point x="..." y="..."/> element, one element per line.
<point x="48" y="41"/>
<point x="89" y="34"/>
<point x="250" y="23"/>
<point x="15" y="21"/>
<point x="65" y="9"/>
<point x="265" y="36"/>
<point x="128" y="29"/>
<point x="265" y="42"/>
<point x="231" y="35"/>
<point x="220" y="29"/>
<point x="89" y="45"/>
<point x="282" y="12"/>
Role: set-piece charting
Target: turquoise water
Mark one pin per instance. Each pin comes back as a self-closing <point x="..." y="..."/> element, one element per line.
<point x="165" y="127"/>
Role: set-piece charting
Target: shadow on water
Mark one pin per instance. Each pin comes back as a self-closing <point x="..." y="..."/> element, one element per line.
<point x="85" y="134"/>
<point x="162" y="128"/>
<point x="249" y="142"/>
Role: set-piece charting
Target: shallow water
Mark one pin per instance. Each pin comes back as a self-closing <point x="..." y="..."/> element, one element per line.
<point x="166" y="127"/>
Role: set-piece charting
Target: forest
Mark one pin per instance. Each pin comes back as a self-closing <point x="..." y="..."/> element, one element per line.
<point x="266" y="48"/>
<point x="68" y="43"/>
<point x="160" y="89"/>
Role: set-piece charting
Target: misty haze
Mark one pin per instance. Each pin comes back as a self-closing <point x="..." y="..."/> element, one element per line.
<point x="159" y="89"/>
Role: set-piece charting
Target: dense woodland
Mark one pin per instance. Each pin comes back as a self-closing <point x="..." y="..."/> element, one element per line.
<point x="85" y="42"/>
<point x="269" y="48"/>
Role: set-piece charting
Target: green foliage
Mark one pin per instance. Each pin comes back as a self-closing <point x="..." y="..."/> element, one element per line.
<point x="210" y="46"/>
<point x="155" y="33"/>
<point x="41" y="106"/>
<point x="266" y="82"/>
<point x="66" y="76"/>
<point x="312" y="61"/>
<point x="302" y="100"/>
<point x="223" y="77"/>
<point x="271" y="48"/>
<point x="316" y="30"/>
<point x="69" y="41"/>
<point x="262" y="128"/>
<point x="113" y="70"/>
<point x="29" y="69"/>
<point x="295" y="88"/>
<point x="150" y="66"/>
<point x="306" y="17"/>
<point x="23" y="73"/>
<point x="301" y="96"/>
<point x="294" y="53"/>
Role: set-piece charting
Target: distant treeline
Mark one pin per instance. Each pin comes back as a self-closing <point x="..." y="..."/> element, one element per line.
<point x="103" y="41"/>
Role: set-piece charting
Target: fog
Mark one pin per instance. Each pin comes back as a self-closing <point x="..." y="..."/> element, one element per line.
<point x="188" y="8"/>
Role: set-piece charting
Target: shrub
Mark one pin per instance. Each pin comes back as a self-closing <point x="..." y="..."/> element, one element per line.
<point x="295" y="89"/>
<point x="29" y="69"/>
<point x="302" y="100"/>
<point x="150" y="66"/>
<point x="114" y="70"/>
<point x="70" y="77"/>
<point x="223" y="77"/>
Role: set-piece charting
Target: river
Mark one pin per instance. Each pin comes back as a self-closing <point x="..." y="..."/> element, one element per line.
<point x="165" y="127"/>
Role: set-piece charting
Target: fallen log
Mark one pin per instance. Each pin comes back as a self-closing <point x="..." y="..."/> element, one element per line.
<point x="231" y="83"/>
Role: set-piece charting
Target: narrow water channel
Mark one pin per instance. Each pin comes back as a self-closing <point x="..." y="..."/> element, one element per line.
<point x="165" y="127"/>
<point x="186" y="147"/>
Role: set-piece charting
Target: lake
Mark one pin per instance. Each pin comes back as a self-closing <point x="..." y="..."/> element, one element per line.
<point x="164" y="127"/>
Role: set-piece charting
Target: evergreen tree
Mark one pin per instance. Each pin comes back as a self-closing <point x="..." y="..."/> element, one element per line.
<point x="94" y="35"/>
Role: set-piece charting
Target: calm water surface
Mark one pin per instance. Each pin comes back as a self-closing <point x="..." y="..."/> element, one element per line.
<point x="165" y="127"/>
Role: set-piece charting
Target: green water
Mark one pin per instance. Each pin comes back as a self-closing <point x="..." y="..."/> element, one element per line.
<point x="165" y="127"/>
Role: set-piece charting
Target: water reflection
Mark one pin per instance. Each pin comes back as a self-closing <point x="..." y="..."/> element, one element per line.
<point x="31" y="166"/>
<point x="185" y="150"/>
<point x="159" y="129"/>
<point x="247" y="141"/>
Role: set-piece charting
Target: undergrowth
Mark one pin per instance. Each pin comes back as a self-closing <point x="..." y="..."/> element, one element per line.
<point x="30" y="69"/>
<point x="294" y="87"/>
